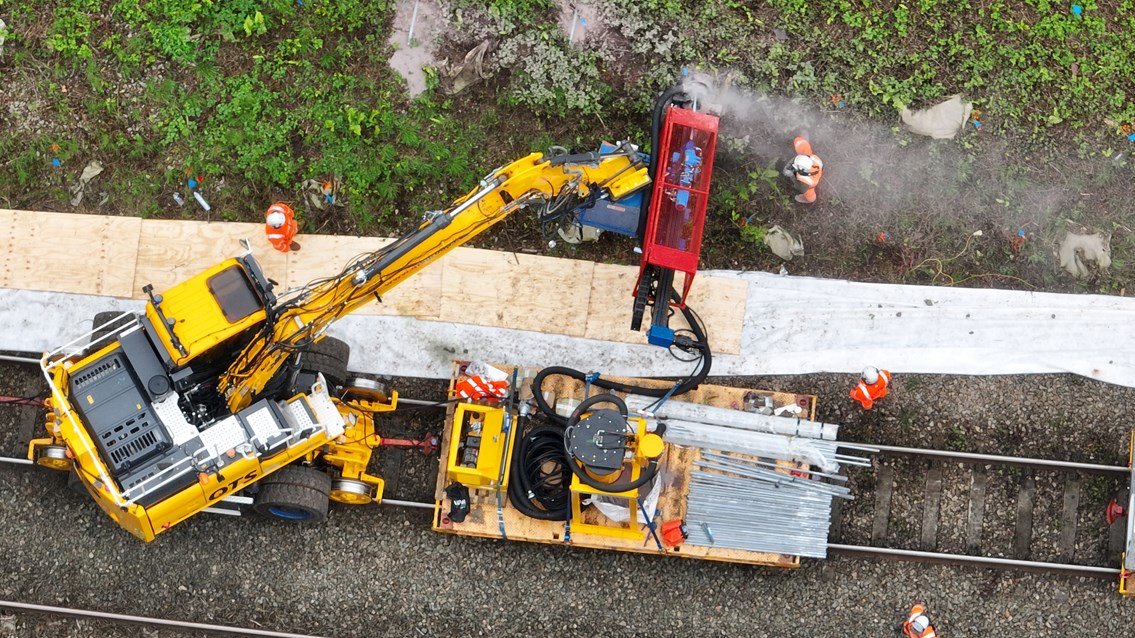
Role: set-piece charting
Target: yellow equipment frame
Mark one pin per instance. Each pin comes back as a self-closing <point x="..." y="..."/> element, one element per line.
<point x="579" y="489"/>
<point x="298" y="320"/>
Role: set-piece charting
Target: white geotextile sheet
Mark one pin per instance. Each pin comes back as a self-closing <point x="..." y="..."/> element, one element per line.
<point x="793" y="325"/>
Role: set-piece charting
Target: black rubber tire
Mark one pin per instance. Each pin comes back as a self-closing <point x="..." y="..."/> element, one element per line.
<point x="294" y="494"/>
<point x="103" y="317"/>
<point x="328" y="357"/>
<point x="74" y="484"/>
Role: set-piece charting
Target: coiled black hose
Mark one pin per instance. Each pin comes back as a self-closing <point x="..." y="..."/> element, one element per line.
<point x="689" y="383"/>
<point x="540" y="477"/>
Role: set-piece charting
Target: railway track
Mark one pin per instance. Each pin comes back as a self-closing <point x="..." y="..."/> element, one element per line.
<point x="15" y="442"/>
<point x="902" y="531"/>
<point x="983" y="510"/>
<point x="143" y="621"/>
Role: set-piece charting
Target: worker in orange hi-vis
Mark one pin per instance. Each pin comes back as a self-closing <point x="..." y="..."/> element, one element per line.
<point x="805" y="170"/>
<point x="918" y="625"/>
<point x="280" y="226"/>
<point x="872" y="386"/>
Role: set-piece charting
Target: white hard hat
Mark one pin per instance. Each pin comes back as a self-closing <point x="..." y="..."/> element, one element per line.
<point x="803" y="163"/>
<point x="275" y="219"/>
<point x="870" y="374"/>
<point x="920" y="623"/>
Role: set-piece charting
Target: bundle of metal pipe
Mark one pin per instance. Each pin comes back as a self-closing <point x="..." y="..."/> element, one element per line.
<point x="697" y="413"/>
<point x="759" y="510"/>
<point x="755" y="469"/>
<point x="775" y="446"/>
<point x="759" y="518"/>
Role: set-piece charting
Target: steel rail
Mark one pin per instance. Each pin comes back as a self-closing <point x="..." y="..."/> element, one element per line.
<point x="994" y="459"/>
<point x="11" y="460"/>
<point x="15" y="359"/>
<point x="976" y="561"/>
<point x="145" y="621"/>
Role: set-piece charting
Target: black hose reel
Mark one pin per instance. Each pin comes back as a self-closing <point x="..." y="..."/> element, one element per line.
<point x="610" y="454"/>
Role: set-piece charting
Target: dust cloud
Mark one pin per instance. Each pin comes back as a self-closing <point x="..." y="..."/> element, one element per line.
<point x="878" y="182"/>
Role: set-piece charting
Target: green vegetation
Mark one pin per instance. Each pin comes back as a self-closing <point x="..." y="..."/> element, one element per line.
<point x="258" y="96"/>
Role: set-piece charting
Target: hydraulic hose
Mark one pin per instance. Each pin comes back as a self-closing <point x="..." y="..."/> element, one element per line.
<point x="655" y="133"/>
<point x="645" y="477"/>
<point x="535" y="488"/>
<point x="689" y="383"/>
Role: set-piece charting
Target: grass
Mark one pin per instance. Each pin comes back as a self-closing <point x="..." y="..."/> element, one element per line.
<point x="257" y="96"/>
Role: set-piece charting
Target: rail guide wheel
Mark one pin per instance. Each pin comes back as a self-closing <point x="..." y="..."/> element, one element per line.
<point x="53" y="457"/>
<point x="351" y="492"/>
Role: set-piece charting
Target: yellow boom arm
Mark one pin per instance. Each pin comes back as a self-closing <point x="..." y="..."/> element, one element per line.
<point x="557" y="183"/>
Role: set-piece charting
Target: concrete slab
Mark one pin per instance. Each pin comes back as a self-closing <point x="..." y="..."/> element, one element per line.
<point x="417" y="26"/>
<point x="792" y="325"/>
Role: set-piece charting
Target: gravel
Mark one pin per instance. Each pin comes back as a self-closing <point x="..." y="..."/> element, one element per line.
<point x="382" y="572"/>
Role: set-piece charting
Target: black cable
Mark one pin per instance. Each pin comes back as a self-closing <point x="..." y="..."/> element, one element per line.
<point x="660" y="105"/>
<point x="540" y="478"/>
<point x="696" y="378"/>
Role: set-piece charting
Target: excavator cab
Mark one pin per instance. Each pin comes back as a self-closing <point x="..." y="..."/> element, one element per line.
<point x="208" y="309"/>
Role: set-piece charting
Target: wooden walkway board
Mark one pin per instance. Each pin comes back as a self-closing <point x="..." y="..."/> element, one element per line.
<point x="171" y="250"/>
<point x="326" y="255"/>
<point x="514" y="290"/>
<point x="718" y="301"/>
<point x="117" y="256"/>
<point x="483" y="521"/>
<point x="83" y="254"/>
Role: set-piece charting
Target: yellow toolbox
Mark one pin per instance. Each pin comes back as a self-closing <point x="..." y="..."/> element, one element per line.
<point x="478" y="447"/>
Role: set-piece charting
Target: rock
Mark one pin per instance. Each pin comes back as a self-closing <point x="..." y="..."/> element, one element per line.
<point x="1078" y="252"/>
<point x="783" y="244"/>
<point x="941" y="121"/>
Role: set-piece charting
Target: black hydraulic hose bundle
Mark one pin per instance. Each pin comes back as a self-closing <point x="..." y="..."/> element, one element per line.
<point x="660" y="105"/>
<point x="687" y="384"/>
<point x="540" y="477"/>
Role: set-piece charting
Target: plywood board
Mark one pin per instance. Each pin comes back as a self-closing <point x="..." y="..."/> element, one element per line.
<point x="471" y="286"/>
<point x="65" y="252"/>
<point x="171" y="251"/>
<point x="718" y="301"/>
<point x="486" y="521"/>
<point x="512" y="290"/>
<point x="327" y="255"/>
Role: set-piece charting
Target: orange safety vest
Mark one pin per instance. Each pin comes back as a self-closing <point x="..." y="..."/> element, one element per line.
<point x="281" y="238"/>
<point x="908" y="626"/>
<point x="477" y="388"/>
<point x="808" y="180"/>
<point x="867" y="395"/>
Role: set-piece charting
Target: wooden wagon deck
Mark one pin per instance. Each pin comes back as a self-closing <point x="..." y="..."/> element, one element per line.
<point x="492" y="516"/>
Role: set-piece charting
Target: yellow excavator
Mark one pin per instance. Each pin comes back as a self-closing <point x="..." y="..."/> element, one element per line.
<point x="223" y="389"/>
